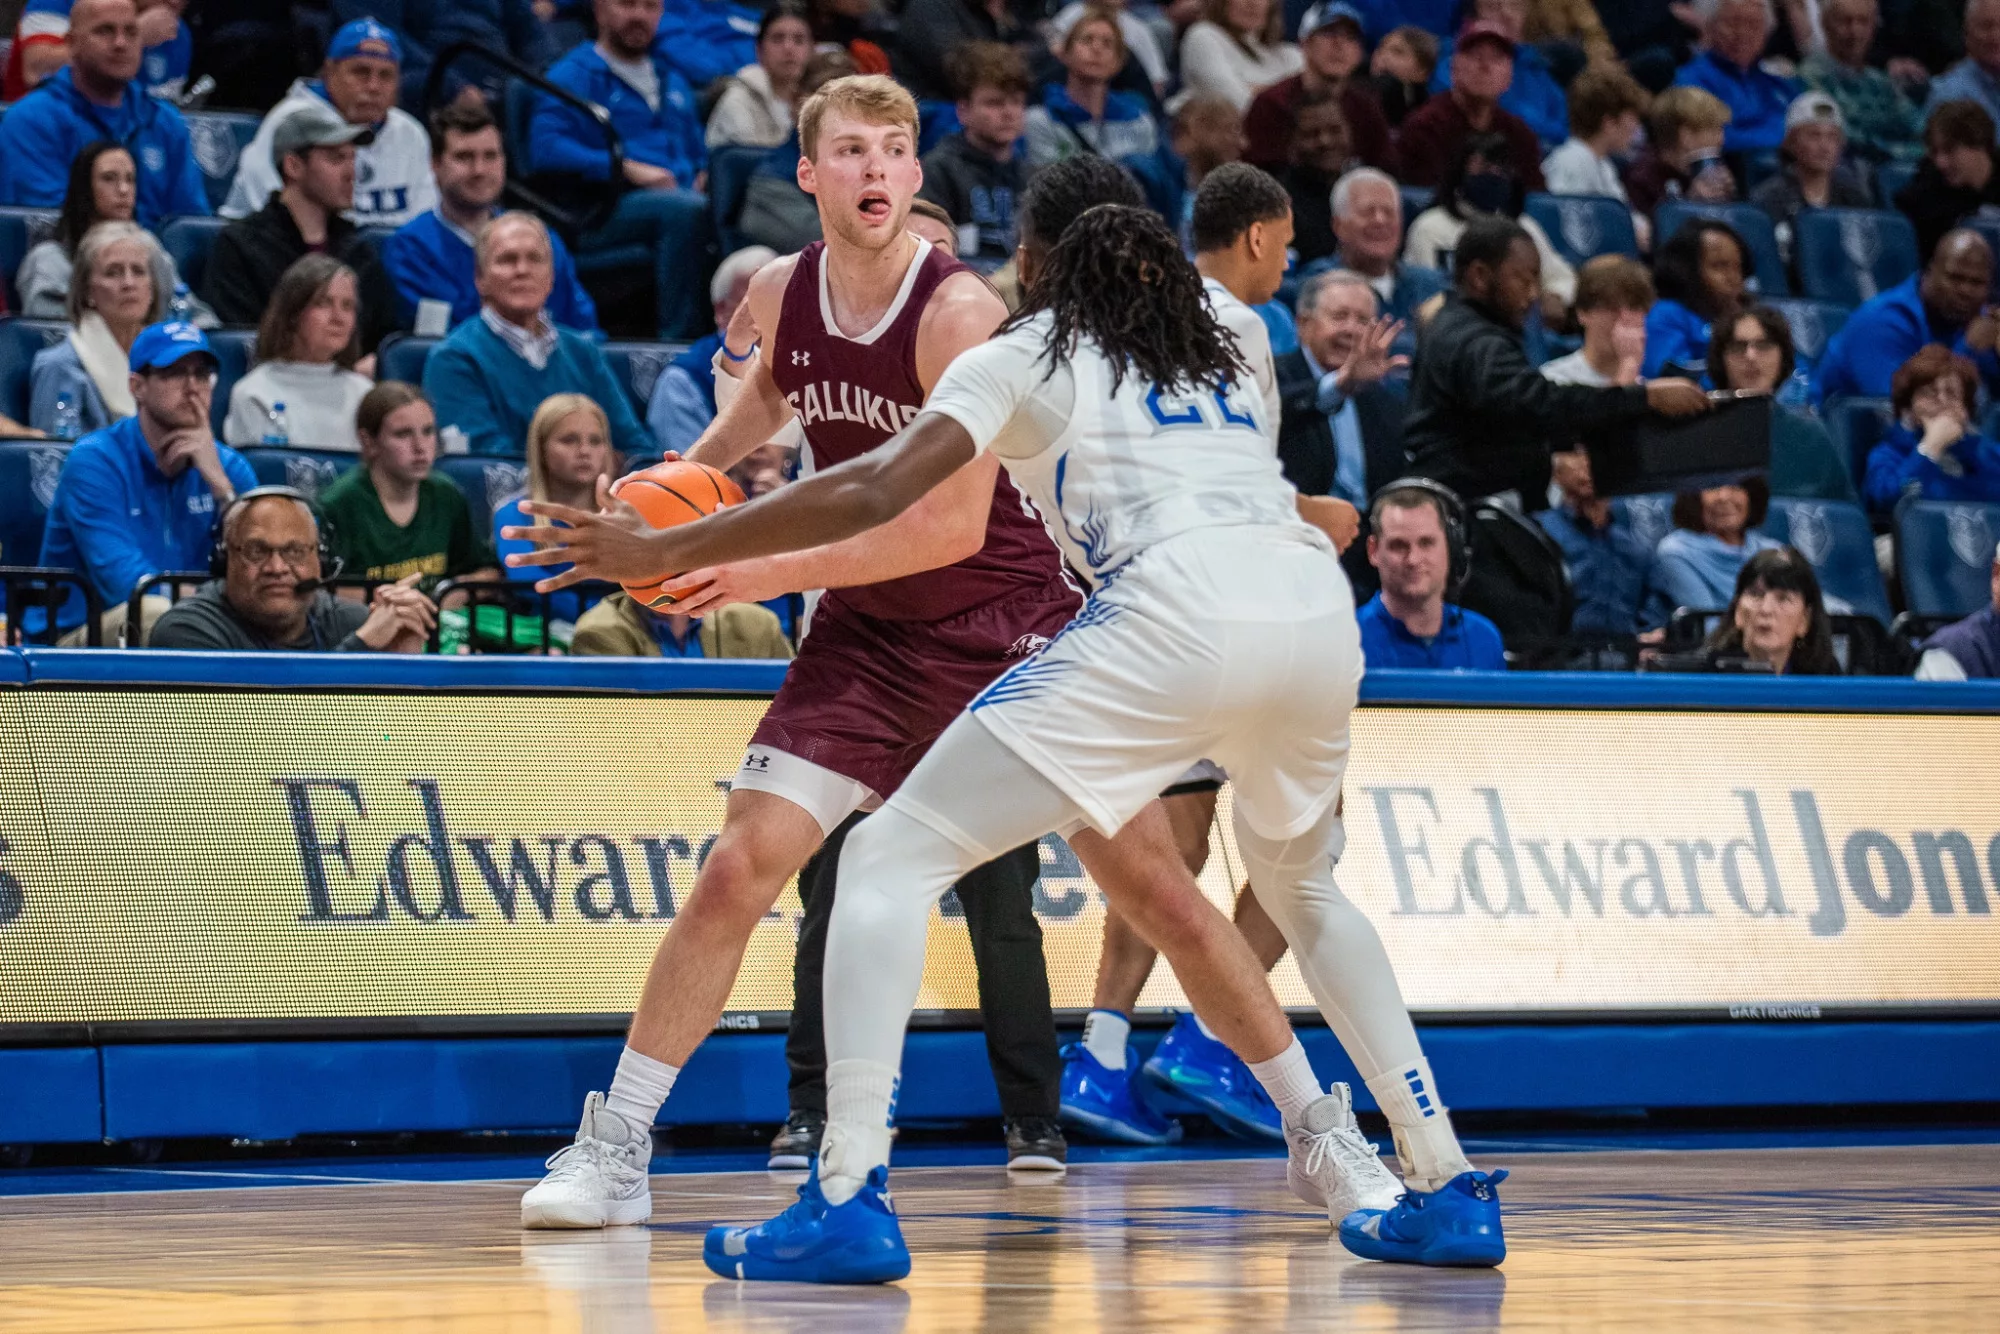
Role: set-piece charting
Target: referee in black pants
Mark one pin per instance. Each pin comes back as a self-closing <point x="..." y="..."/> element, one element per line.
<point x="998" y="900"/>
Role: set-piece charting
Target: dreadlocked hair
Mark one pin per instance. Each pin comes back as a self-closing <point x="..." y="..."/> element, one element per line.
<point x="1118" y="278"/>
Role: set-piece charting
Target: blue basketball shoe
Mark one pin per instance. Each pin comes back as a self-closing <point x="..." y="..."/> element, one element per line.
<point x="1457" y="1224"/>
<point x="1103" y="1102"/>
<point x="817" y="1242"/>
<point x="1189" y="1067"/>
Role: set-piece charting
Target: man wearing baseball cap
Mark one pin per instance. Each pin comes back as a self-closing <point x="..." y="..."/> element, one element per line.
<point x="317" y="155"/>
<point x="1330" y="36"/>
<point x="1482" y="69"/>
<point x="1811" y="174"/>
<point x="141" y="496"/>
<point x="1535" y="94"/>
<point x="359" y="84"/>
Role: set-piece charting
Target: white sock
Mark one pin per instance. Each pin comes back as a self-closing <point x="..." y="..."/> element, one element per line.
<point x="640" y="1086"/>
<point x="1206" y="1031"/>
<point x="1104" y="1035"/>
<point x="1426" y="1145"/>
<point x="1288" y="1077"/>
<point x="860" y="1107"/>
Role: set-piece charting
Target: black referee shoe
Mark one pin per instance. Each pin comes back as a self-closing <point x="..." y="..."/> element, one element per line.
<point x="1036" y="1144"/>
<point x="795" y="1146"/>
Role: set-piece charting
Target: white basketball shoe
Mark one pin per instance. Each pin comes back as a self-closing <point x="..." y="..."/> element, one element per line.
<point x="1332" y="1163"/>
<point x="600" y="1180"/>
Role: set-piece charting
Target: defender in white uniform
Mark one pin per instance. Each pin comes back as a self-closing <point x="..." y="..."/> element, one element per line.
<point x="1219" y="625"/>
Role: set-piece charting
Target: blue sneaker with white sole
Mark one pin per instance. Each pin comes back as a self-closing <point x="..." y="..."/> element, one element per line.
<point x="1456" y="1224"/>
<point x="816" y="1242"/>
<point x="1102" y="1102"/>
<point x="1193" y="1069"/>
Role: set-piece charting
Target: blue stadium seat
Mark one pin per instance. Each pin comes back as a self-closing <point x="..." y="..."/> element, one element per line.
<point x="1944" y="555"/>
<point x="1583" y="226"/>
<point x="307" y="470"/>
<point x="1812" y="323"/>
<point x="638" y="365"/>
<point x="515" y="118"/>
<point x="1850" y="254"/>
<point x="729" y="172"/>
<point x="188" y="241"/>
<point x="1416" y="198"/>
<point x="20" y="340"/>
<point x="1839" y="542"/>
<point x="1650" y="514"/>
<point x="233" y="351"/>
<point x="1857" y="426"/>
<point x="486" y="483"/>
<point x="28" y="474"/>
<point x="1890" y="178"/>
<point x="1750" y="222"/>
<point x="219" y="139"/>
<point x="21" y="229"/>
<point x="402" y="357"/>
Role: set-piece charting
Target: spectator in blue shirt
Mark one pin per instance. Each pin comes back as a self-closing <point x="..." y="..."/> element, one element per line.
<point x="1409" y="623"/>
<point x="1603" y="550"/>
<point x="706" y="40"/>
<point x="429" y="26"/>
<point x="1736" y="31"/>
<point x="1700" y="274"/>
<point x="1534" y="95"/>
<point x="1976" y="77"/>
<point x="99" y="96"/>
<point x="654" y="111"/>
<point x="683" y="401"/>
<point x="1715" y="532"/>
<point x="1941" y="305"/>
<point x="569" y="449"/>
<point x="429" y="258"/>
<point x="141" y="496"/>
<point x="1934" y="451"/>
<point x="489" y="377"/>
<point x="163" y="68"/>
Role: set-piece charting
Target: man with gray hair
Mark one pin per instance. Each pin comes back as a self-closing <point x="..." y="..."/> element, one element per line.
<point x="1368" y="236"/>
<point x="1883" y="124"/>
<point x="1733" y="36"/>
<point x="1340" y="431"/>
<point x="683" y="402"/>
<point x="489" y="376"/>
<point x="1976" y="77"/>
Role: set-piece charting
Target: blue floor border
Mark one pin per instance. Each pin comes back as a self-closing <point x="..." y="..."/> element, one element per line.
<point x="281" y="1090"/>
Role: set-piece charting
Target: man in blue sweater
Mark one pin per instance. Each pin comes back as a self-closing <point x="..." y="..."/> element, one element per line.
<point x="142" y="496"/>
<point x="1735" y="33"/>
<point x="1944" y="304"/>
<point x="654" y="111"/>
<point x="487" y="379"/>
<point x="98" y="96"/>
<point x="429" y="258"/>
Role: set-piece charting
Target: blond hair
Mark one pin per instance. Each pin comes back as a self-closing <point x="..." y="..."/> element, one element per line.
<point x="1680" y="109"/>
<point x="551" y="414"/>
<point x="875" y="99"/>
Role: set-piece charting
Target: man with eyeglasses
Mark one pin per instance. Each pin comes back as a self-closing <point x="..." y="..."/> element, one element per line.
<point x="141" y="496"/>
<point x="269" y="595"/>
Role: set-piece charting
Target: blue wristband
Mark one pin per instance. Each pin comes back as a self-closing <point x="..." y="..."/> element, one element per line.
<point x="733" y="357"/>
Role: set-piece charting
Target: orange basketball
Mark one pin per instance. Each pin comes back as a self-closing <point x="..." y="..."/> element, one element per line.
<point x="673" y="493"/>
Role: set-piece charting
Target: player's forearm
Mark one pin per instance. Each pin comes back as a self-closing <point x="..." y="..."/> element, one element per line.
<point x="927" y="536"/>
<point x="753" y="415"/>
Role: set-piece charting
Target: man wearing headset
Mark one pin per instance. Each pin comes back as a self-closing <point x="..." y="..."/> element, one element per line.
<point x="1416" y="542"/>
<point x="270" y="561"/>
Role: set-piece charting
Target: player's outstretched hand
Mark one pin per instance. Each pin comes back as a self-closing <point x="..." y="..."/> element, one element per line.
<point x="1676" y="398"/>
<point x="615" y="544"/>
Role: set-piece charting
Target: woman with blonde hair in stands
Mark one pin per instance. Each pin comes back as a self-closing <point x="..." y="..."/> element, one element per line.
<point x="304" y="387"/>
<point x="1236" y="51"/>
<point x="569" y="448"/>
<point x="119" y="286"/>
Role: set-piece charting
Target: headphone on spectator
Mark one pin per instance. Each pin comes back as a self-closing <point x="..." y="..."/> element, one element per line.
<point x="329" y="560"/>
<point x="1457" y="530"/>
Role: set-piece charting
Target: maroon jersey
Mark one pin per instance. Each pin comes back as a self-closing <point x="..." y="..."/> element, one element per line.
<point x="852" y="394"/>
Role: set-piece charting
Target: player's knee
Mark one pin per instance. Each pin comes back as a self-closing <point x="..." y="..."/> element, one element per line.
<point x="735" y="882"/>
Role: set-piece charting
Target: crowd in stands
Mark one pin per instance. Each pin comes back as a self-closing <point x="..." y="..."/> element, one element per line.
<point x="1513" y="230"/>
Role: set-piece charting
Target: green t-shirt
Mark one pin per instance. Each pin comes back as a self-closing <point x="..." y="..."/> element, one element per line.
<point x="439" y="542"/>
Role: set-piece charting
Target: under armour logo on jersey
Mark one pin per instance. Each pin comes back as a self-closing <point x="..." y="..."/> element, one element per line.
<point x="802" y="358"/>
<point x="1026" y="645"/>
<point x="760" y="762"/>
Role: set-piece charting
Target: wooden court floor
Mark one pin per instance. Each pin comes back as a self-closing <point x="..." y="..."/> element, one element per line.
<point x="1879" y="1239"/>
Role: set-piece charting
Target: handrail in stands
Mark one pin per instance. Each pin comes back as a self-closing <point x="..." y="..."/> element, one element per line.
<point x="44" y="581"/>
<point x="509" y="595"/>
<point x="566" y="220"/>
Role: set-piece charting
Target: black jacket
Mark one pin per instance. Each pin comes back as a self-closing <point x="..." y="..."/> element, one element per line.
<point x="207" y="621"/>
<point x="1480" y="415"/>
<point x="1306" y="450"/>
<point x="1934" y="205"/>
<point x="976" y="189"/>
<point x="251" y="254"/>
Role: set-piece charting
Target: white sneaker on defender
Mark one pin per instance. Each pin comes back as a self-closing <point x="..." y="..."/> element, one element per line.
<point x="600" y="1180"/>
<point x="1332" y="1163"/>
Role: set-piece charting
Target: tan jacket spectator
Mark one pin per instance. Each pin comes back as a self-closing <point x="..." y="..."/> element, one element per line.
<point x="618" y="627"/>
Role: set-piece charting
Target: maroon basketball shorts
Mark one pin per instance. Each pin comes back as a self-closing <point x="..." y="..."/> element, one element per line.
<point x="866" y="697"/>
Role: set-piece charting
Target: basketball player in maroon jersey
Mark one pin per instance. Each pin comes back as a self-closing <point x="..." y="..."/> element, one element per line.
<point x="921" y="614"/>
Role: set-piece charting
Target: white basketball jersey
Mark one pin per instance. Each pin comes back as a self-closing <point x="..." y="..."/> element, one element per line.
<point x="1115" y="471"/>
